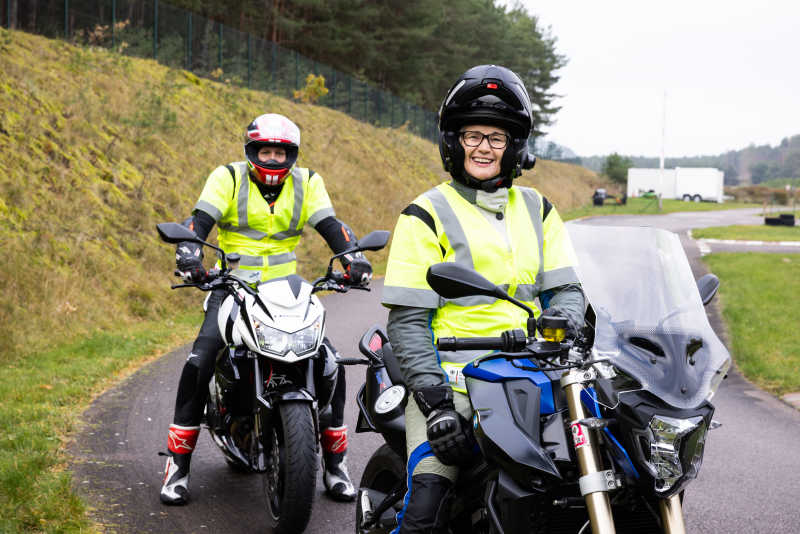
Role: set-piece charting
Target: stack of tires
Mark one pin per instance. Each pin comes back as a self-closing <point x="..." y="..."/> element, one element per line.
<point x="784" y="219"/>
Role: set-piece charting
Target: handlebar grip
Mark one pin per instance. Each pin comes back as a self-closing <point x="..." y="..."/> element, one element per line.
<point x="470" y="343"/>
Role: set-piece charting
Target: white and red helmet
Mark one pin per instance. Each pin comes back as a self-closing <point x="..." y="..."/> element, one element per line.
<point x="276" y="130"/>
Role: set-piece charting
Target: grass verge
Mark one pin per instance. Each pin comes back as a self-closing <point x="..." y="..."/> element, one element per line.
<point x="646" y="206"/>
<point x="758" y="295"/>
<point x="749" y="233"/>
<point x="43" y="396"/>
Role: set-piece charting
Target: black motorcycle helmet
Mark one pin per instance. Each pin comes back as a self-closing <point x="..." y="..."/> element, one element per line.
<point x="495" y="96"/>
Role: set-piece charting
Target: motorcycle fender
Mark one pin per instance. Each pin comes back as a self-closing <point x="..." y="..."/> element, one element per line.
<point x="507" y="426"/>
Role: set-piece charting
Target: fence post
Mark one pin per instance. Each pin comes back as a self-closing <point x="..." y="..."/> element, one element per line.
<point x="391" y="110"/>
<point x="219" y="48"/>
<point x="66" y="18"/>
<point x="272" y="61"/>
<point x="189" y="42"/>
<point x="249" y="58"/>
<point x="155" y="29"/>
<point x="296" y="71"/>
<point x="113" y="21"/>
<point x="349" y="95"/>
<point x="333" y="89"/>
<point x="366" y="102"/>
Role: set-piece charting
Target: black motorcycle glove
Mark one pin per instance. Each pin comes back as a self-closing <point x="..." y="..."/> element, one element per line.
<point x="571" y="332"/>
<point x="357" y="269"/>
<point x="189" y="261"/>
<point x="449" y="434"/>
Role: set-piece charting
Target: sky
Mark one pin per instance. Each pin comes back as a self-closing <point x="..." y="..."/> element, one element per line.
<point x="730" y="71"/>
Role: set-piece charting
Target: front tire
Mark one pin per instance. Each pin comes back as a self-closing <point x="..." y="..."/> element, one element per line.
<point x="291" y="477"/>
<point x="384" y="471"/>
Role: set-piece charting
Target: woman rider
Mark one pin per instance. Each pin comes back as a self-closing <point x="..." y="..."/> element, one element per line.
<point x="511" y="235"/>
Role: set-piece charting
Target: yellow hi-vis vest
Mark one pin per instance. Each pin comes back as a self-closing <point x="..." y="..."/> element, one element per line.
<point x="441" y="225"/>
<point x="264" y="236"/>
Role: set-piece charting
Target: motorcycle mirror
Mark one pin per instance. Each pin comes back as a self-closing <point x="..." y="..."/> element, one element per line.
<point x="175" y="233"/>
<point x="375" y="240"/>
<point x="452" y="281"/>
<point x="707" y="285"/>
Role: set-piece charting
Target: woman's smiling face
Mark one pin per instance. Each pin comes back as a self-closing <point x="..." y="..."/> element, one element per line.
<point x="483" y="161"/>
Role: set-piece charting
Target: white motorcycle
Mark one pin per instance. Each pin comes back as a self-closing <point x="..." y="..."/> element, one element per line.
<point x="275" y="376"/>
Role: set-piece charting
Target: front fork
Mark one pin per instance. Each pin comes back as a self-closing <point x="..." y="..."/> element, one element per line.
<point x="672" y="515"/>
<point x="595" y="483"/>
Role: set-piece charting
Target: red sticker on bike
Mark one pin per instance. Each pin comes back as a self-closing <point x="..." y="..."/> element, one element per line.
<point x="578" y="437"/>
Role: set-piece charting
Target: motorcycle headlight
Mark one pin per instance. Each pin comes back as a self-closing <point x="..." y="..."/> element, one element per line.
<point x="280" y="343"/>
<point x="676" y="449"/>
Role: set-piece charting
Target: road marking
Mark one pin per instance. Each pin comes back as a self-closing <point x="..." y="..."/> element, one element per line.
<point x="703" y="246"/>
<point x="753" y="243"/>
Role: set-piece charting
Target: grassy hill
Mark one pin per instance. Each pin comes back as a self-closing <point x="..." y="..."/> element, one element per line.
<point x="95" y="149"/>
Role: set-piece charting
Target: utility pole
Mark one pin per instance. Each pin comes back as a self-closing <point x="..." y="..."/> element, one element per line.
<point x="663" y="136"/>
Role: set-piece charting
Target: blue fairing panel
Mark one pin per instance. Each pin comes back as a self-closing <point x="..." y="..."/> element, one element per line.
<point x="499" y="370"/>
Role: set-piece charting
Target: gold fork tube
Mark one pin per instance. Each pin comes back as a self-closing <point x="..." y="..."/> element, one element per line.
<point x="672" y="515"/>
<point x="597" y="503"/>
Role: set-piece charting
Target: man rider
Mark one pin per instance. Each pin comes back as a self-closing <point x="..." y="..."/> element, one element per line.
<point x="511" y="235"/>
<point x="260" y="206"/>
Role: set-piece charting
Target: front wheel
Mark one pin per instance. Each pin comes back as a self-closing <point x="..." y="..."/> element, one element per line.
<point x="384" y="473"/>
<point x="291" y="477"/>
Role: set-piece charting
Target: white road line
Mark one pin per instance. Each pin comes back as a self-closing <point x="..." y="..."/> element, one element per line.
<point x="753" y="243"/>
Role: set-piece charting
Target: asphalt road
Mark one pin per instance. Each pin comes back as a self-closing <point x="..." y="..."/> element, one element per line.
<point x="748" y="483"/>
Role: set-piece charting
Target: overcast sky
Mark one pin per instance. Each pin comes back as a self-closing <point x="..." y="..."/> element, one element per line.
<point x="730" y="69"/>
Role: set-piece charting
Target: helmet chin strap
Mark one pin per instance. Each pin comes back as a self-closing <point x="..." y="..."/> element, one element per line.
<point x="489" y="186"/>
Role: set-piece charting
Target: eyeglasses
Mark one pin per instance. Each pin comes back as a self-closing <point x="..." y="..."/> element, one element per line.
<point x="472" y="138"/>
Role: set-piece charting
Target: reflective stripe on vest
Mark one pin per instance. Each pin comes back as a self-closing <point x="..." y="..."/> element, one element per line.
<point x="458" y="240"/>
<point x="275" y="259"/>
<point x="452" y="363"/>
<point x="241" y="208"/>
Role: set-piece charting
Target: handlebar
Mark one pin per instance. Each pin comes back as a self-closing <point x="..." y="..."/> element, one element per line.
<point x="470" y="343"/>
<point x="352" y="361"/>
<point x="510" y="341"/>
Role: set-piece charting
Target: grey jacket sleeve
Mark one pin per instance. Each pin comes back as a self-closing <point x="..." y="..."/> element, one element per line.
<point x="570" y="300"/>
<point x="412" y="343"/>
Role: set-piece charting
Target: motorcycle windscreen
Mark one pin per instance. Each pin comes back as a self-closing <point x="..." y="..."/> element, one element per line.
<point x="650" y="318"/>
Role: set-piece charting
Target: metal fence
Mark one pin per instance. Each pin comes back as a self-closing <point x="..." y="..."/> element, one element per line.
<point x="181" y="39"/>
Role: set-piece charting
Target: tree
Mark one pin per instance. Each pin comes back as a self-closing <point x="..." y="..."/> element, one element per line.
<point x="758" y="172"/>
<point x="616" y="168"/>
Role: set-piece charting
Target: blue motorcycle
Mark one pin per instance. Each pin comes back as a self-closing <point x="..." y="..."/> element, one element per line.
<point x="603" y="433"/>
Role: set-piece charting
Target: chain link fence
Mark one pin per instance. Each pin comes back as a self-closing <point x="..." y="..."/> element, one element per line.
<point x="180" y="39"/>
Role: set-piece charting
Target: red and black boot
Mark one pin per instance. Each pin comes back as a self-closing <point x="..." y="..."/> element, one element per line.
<point x="334" y="464"/>
<point x="180" y="443"/>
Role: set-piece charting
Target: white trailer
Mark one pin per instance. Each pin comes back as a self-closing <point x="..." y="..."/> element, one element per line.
<point x="699" y="183"/>
<point x="682" y="183"/>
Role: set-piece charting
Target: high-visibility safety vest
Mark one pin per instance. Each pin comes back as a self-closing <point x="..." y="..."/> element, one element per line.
<point x="443" y="226"/>
<point x="265" y="236"/>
